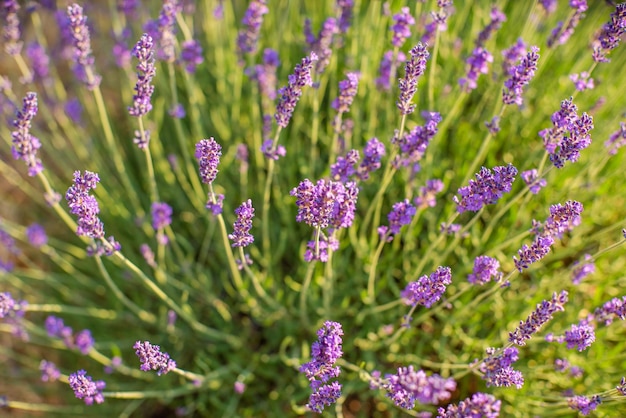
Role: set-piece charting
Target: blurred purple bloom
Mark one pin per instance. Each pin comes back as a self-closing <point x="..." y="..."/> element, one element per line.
<point x="165" y="26"/>
<point x="248" y="37"/>
<point x="114" y="364"/>
<point x="128" y="7"/>
<point x="191" y="55"/>
<point x="25" y="145"/>
<point x="548" y="5"/>
<point x="326" y="203"/>
<point x="580" y="336"/>
<point x="208" y="153"/>
<point x="11" y="27"/>
<point x="537" y="250"/>
<point x="320" y="44"/>
<point x="439" y="21"/>
<point x="9" y="307"/>
<point x="56" y="328"/>
<point x="387" y="70"/>
<point x="85" y="388"/>
<point x="617" y="139"/>
<point x="84" y="67"/>
<point x="345" y="167"/>
<point x="345" y="14"/>
<point x="36" y="235"/>
<point x="147" y="254"/>
<point x="513" y="54"/>
<point x="141" y="139"/>
<point x="143" y="51"/>
<point x="49" y="371"/>
<point x="239" y="387"/>
<point x="325" y="244"/>
<point x="487" y="189"/>
<point x="84" y="341"/>
<point x="610" y="34"/>
<point x="562" y="218"/>
<point x="290" y="94"/>
<point x="121" y="53"/>
<point x="479" y="405"/>
<point x="373" y="153"/>
<point x="40" y="61"/>
<point x="582" y="81"/>
<point x="177" y="111"/>
<point x="161" y="215"/>
<point x="401" y="214"/>
<point x="606" y="314"/>
<point x="542" y="314"/>
<point x="583" y="269"/>
<point x="560" y="35"/>
<point x="241" y="236"/>
<point x="426" y="195"/>
<point x="497" y="18"/>
<point x="347" y="91"/>
<point x="534" y="184"/>
<point x="323" y="396"/>
<point x="477" y="65"/>
<point x="152" y="358"/>
<point x="427" y="289"/>
<point x="519" y="77"/>
<point x="215" y="203"/>
<point x="498" y="370"/>
<point x="413" y="69"/>
<point x="73" y="110"/>
<point x="413" y="144"/>
<point x="485" y="268"/>
<point x="584" y="404"/>
<point x="265" y="75"/>
<point x="408" y="386"/>
<point x="402" y="26"/>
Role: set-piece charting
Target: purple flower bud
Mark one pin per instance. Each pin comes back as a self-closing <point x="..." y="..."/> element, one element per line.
<point x="487" y="189"/>
<point x="191" y="55"/>
<point x="323" y="396"/>
<point x="9" y="307"/>
<point x="208" y="153"/>
<point x="542" y="314"/>
<point x="583" y="404"/>
<point x="388" y="65"/>
<point x="165" y="30"/>
<point x="152" y="358"/>
<point x="82" y="47"/>
<point x="580" y="336"/>
<point x="548" y="5"/>
<point x="497" y="368"/>
<point x="326" y="204"/>
<point x="513" y="54"/>
<point x="610" y="35"/>
<point x="347" y="91"/>
<point x="325" y="244"/>
<point x="11" y="27"/>
<point x="413" y="144"/>
<point x="497" y="18"/>
<point x="484" y="269"/>
<point x="582" y="81"/>
<point x="241" y="236"/>
<point x="519" y="77"/>
<point x="560" y="35"/>
<point x="401" y="214"/>
<point x="402" y="27"/>
<point x="477" y="65"/>
<point x="345" y="14"/>
<point x="428" y="289"/>
<point x="215" y="204"/>
<point x="373" y="153"/>
<point x="49" y="371"/>
<point x="616" y="140"/>
<point x="413" y="69"/>
<point x="143" y="51"/>
<point x="426" y="195"/>
<point x="409" y="386"/>
<point x="606" y="314"/>
<point x="290" y="94"/>
<point x="25" y="145"/>
<point x="479" y="405"/>
<point x="40" y="61"/>
<point x="161" y="215"/>
<point x="534" y="184"/>
<point x="248" y="37"/>
<point x="85" y="388"/>
<point x="320" y="44"/>
<point x="345" y="167"/>
<point x="84" y="341"/>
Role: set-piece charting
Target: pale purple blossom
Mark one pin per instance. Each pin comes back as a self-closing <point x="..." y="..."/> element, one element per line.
<point x="241" y="236"/>
<point x="401" y="28"/>
<point x="143" y="51"/>
<point x="497" y="18"/>
<point x="85" y="388"/>
<point x="582" y="81"/>
<point x="520" y="76"/>
<point x="191" y="55"/>
<point x="584" y="404"/>
<point x="486" y="189"/>
<point x="290" y="94"/>
<point x="478" y="405"/>
<point x="542" y="314"/>
<point x="248" y="37"/>
<point x="208" y="153"/>
<point x="498" y="370"/>
<point x="152" y="358"/>
<point x="485" y="269"/>
<point x="477" y="64"/>
<point x="582" y="269"/>
<point x="83" y="57"/>
<point x="24" y="145"/>
<point x="427" y="290"/>
<point x="617" y="139"/>
<point x="531" y="179"/>
<point x="413" y="69"/>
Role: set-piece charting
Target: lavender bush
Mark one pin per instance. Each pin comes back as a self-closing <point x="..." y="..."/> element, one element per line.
<point x="275" y="209"/>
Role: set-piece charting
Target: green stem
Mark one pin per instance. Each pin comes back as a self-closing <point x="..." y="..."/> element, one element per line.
<point x="371" y="297"/>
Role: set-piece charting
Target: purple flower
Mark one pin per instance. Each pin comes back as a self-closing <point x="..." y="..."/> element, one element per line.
<point x="36" y="235"/>
<point x="321" y="44"/>
<point x="534" y="184"/>
<point x="610" y="35"/>
<point x="519" y="77"/>
<point x="82" y="47"/>
<point x="401" y="214"/>
<point x="344" y="168"/>
<point x="548" y="5"/>
<point x="114" y="364"/>
<point x="479" y="405"/>
<point x="325" y="244"/>
<point x="208" y="153"/>
<point x="57" y="329"/>
<point x="485" y="268"/>
<point x="477" y="65"/>
<point x="582" y="81"/>
<point x="128" y="7"/>
<point x="248" y="38"/>
<point x="402" y="26"/>
<point x="621" y="388"/>
<point x="11" y="27"/>
<point x="373" y="153"/>
<point x="84" y="341"/>
<point x="497" y="368"/>
<point x="408" y="386"/>
<point x="413" y="144"/>
<point x="9" y="307"/>
<point x="49" y="371"/>
<point x="512" y="54"/>
<point x="85" y="388"/>
<point x="73" y="110"/>
<point x="143" y="51"/>
<point x="239" y="387"/>
<point x="325" y="352"/>
<point x="617" y="139"/>
<point x="615" y="307"/>
<point x="562" y="218"/>
<point x="413" y="69"/>
<point x="290" y="94"/>
<point x="191" y="55"/>
<point x="347" y="91"/>
<point x="326" y="203"/>
<point x="161" y="215"/>
<point x="580" y="336"/>
<point x="25" y="145"/>
<point x="497" y="18"/>
<point x="426" y="195"/>
<point x="122" y="53"/>
<point x="583" y="404"/>
<point x="152" y="358"/>
<point x="427" y="289"/>
<point x="560" y="35"/>
<point x="241" y="236"/>
<point x="40" y="61"/>
<point x="439" y="21"/>
<point x="177" y="111"/>
<point x="165" y="30"/>
<point x="345" y="14"/>
<point x="215" y="203"/>
<point x="387" y="69"/>
<point x="582" y="270"/>
<point x="542" y="314"/>
<point x="487" y="189"/>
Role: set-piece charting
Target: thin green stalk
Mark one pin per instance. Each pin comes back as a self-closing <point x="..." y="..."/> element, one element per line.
<point x="431" y="248"/>
<point x="328" y="283"/>
<point x="432" y="66"/>
<point x="371" y="297"/>
<point x="154" y="192"/>
<point x="304" y="315"/>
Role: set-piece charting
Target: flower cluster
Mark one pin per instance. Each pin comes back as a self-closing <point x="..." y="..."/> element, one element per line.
<point x="485" y="268"/>
<point x="401" y="28"/>
<point x="426" y="195"/>
<point x="497" y="368"/>
<point x="606" y="314"/>
<point x="610" y="35"/>
<point x="373" y="152"/>
<point x="581" y="270"/>
<point x="82" y="340"/>
<point x="542" y="314"/>
<point x="409" y="386"/>
<point x="617" y="139"/>
<point x="479" y="405"/>
<point x="208" y="153"/>
<point x="265" y="74"/>
<point x="11" y="27"/>
<point x="487" y="189"/>
<point x="36" y="235"/>
<point x="9" y="307"/>
<point x="347" y="92"/>
<point x="561" y="35"/>
<point x="413" y="69"/>
<point x="25" y="145"/>
<point x="165" y="30"/>
<point x="401" y="214"/>
<point x="439" y="22"/>
<point x="320" y="44"/>
<point x="85" y="388"/>
<point x="82" y="47"/>
<point x="290" y="94"/>
<point x="427" y="290"/>
<point x="477" y="65"/>
<point x="584" y="404"/>
<point x="497" y="18"/>
<point x="326" y="204"/>
<point x="152" y="358"/>
<point x="248" y="37"/>
<point x="532" y="180"/>
<point x="512" y="55"/>
<point x="161" y="215"/>
<point x="413" y="144"/>
<point x="241" y="236"/>
<point x="582" y="81"/>
<point x="49" y="371"/>
<point x="143" y="51"/>
<point x="325" y="352"/>
<point x="520" y="76"/>
<point x="387" y="68"/>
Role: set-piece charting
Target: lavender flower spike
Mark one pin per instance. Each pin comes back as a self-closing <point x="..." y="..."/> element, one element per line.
<point x="143" y="51"/>
<point x="428" y="289"/>
<point x="477" y="65"/>
<point x="85" y="388"/>
<point x="208" y="153"/>
<point x="611" y="33"/>
<point x="479" y="405"/>
<point x="241" y="236"/>
<point x="290" y="94"/>
<point x="25" y="145"/>
<point x="487" y="189"/>
<point x="248" y="37"/>
<point x="11" y="27"/>
<point x="82" y="47"/>
<point x="152" y="358"/>
<point x="402" y="27"/>
<point x="542" y="314"/>
<point x="519" y="77"/>
<point x="413" y="68"/>
<point x="347" y="91"/>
